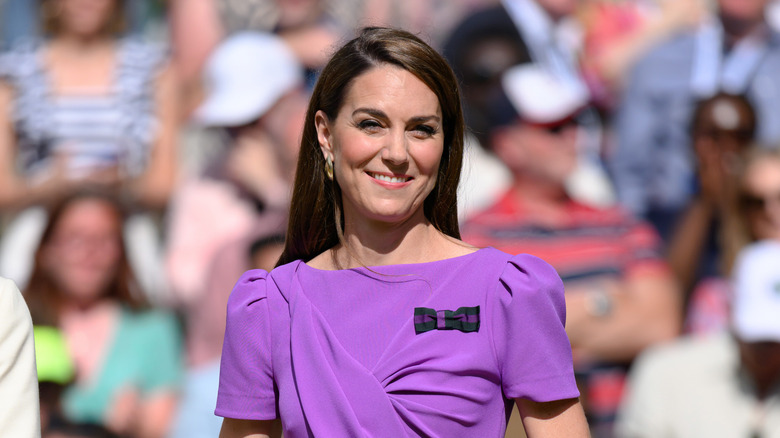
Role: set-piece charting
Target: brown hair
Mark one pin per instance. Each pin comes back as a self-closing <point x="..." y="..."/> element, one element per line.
<point x="315" y="223"/>
<point x="50" y="18"/>
<point x="43" y="296"/>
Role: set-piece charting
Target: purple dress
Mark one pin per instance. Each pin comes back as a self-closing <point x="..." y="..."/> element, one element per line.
<point x="430" y="349"/>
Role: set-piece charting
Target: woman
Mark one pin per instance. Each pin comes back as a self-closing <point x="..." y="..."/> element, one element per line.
<point x="341" y="349"/>
<point x="127" y="359"/>
<point x="750" y="212"/>
<point x="85" y="105"/>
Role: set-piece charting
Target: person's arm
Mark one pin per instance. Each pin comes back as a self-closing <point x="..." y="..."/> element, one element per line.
<point x="688" y="241"/>
<point x="15" y="191"/>
<point x="153" y="188"/>
<point x="560" y="418"/>
<point x="613" y="61"/>
<point x="233" y="428"/>
<point x="641" y="310"/>
<point x="20" y="415"/>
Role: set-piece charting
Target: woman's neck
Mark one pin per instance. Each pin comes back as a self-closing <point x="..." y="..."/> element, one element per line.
<point x="375" y="243"/>
<point x="81" y="45"/>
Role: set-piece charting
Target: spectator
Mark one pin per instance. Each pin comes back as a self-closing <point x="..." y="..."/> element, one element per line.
<point x="736" y="52"/>
<point x="723" y="127"/>
<point x="754" y="215"/>
<point x="541" y="32"/>
<point x="620" y="295"/>
<point x="723" y="385"/>
<point x="126" y="357"/>
<point x="84" y="107"/>
<point x="20" y="414"/>
<point x="256" y="105"/>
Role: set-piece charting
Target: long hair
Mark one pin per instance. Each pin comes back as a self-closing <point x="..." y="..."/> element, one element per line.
<point x="316" y="217"/>
<point x="44" y="297"/>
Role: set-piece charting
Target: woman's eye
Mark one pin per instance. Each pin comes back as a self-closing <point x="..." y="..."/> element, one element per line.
<point x="424" y="131"/>
<point x="369" y="125"/>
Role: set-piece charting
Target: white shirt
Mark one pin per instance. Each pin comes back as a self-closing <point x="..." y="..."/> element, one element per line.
<point x="19" y="406"/>
<point x="695" y="388"/>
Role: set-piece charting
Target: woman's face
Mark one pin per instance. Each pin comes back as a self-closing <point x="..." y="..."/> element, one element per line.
<point x="386" y="144"/>
<point x="83" y="253"/>
<point x="761" y="198"/>
<point x="85" y="17"/>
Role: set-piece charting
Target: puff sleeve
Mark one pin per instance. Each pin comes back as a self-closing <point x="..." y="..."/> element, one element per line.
<point x="246" y="385"/>
<point x="532" y="349"/>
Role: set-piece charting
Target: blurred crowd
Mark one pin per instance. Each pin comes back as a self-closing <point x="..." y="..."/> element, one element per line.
<point x="148" y="149"/>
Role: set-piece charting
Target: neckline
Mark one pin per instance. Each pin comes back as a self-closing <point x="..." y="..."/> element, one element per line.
<point x="368" y="270"/>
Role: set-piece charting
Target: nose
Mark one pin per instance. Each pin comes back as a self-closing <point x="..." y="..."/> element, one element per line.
<point x="396" y="151"/>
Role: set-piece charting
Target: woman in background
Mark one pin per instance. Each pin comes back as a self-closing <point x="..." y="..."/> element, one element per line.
<point x="126" y="357"/>
<point x="85" y="105"/>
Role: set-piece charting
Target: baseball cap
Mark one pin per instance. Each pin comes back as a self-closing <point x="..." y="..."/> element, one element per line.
<point x="245" y="76"/>
<point x="541" y="98"/>
<point x="756" y="306"/>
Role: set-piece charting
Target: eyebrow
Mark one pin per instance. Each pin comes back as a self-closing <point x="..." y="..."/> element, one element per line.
<point x="381" y="115"/>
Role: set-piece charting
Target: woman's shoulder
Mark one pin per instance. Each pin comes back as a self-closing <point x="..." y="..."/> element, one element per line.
<point x="20" y="61"/>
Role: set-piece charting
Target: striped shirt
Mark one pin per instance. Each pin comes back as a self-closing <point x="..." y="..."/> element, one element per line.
<point x="586" y="243"/>
<point x="111" y="129"/>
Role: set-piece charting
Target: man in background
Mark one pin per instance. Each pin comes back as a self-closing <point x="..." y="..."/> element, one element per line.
<point x="620" y="295"/>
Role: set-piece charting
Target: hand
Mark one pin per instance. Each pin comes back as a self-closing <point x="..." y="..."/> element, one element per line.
<point x="122" y="414"/>
<point x="254" y="164"/>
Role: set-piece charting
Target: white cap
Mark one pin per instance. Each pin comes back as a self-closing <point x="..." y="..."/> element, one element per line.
<point x="539" y="97"/>
<point x="245" y="76"/>
<point x="756" y="306"/>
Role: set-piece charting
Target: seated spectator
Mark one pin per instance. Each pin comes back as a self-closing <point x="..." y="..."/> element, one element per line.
<point x="126" y="357"/>
<point x="735" y="51"/>
<point x="620" y="295"/>
<point x="256" y="105"/>
<point x="754" y="214"/>
<point x="84" y="106"/>
<point x="725" y="385"/>
<point x="723" y="127"/>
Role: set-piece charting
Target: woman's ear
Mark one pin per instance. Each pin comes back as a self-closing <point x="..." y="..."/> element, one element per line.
<point x="322" y="124"/>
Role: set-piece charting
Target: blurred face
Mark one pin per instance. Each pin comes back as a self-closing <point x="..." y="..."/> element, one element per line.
<point x="85" y="17"/>
<point x="386" y="144"/>
<point x="84" y="252"/>
<point x="546" y="153"/>
<point x="760" y="198"/>
<point x="724" y="130"/>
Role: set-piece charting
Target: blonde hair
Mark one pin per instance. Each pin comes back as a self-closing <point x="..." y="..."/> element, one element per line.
<point x="736" y="229"/>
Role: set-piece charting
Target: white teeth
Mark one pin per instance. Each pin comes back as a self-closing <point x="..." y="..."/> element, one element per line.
<point x="390" y="179"/>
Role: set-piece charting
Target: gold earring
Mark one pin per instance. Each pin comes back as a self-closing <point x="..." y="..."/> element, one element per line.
<point x="329" y="168"/>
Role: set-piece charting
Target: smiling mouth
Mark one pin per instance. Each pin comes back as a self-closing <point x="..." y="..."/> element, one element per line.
<point x="388" y="178"/>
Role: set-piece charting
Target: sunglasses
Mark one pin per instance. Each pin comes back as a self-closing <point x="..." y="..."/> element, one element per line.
<point x="749" y="201"/>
